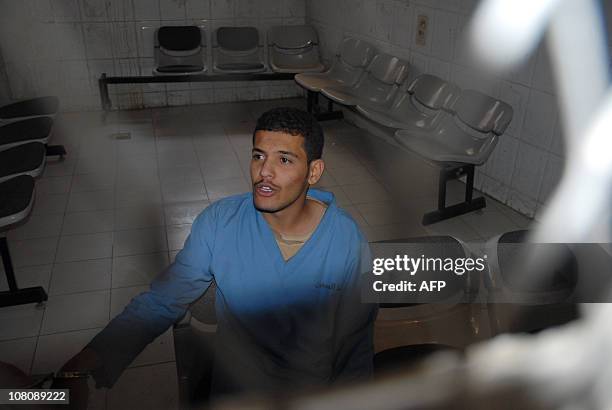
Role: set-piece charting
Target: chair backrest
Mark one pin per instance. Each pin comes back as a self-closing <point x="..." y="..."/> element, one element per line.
<point x="353" y="57"/>
<point x="237" y="50"/>
<point x="294" y="49"/>
<point x="482" y="113"/>
<point x="237" y="39"/>
<point x="379" y="84"/>
<point x="179" y="49"/>
<point x="433" y="92"/>
<point x="355" y="52"/>
<point x="179" y="39"/>
<point x="388" y="69"/>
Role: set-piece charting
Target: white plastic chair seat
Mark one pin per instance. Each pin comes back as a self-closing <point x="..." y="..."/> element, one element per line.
<point x="25" y="159"/>
<point x="35" y="107"/>
<point x="376" y="87"/>
<point x="468" y="136"/>
<point x="418" y="105"/>
<point x="16" y="199"/>
<point x="361" y="95"/>
<point x="448" y="143"/>
<point x="37" y="129"/>
<point x="410" y="120"/>
<point x="347" y="68"/>
<point x="179" y="50"/>
<point x="299" y="65"/>
<point x="237" y="51"/>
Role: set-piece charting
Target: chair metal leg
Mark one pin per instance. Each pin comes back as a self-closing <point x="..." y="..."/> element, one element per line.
<point x="448" y="173"/>
<point x="15" y="296"/>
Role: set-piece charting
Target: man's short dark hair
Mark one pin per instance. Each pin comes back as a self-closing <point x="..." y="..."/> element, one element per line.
<point x="295" y="122"/>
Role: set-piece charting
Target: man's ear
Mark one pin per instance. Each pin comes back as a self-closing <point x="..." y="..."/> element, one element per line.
<point x="315" y="171"/>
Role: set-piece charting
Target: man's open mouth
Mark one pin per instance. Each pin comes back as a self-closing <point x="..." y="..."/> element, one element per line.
<point x="264" y="189"/>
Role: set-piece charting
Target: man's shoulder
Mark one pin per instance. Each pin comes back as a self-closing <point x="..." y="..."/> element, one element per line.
<point x="347" y="226"/>
<point x="224" y="208"/>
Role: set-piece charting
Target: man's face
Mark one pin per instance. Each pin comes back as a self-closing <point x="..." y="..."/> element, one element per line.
<point x="280" y="172"/>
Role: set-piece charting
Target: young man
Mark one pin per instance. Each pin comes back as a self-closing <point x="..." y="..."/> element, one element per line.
<point x="287" y="263"/>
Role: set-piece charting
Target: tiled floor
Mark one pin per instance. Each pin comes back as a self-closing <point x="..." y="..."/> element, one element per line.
<point x="112" y="215"/>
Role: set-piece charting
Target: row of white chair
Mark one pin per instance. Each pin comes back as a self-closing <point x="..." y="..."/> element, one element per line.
<point x="455" y="129"/>
<point x="23" y="151"/>
<point x="236" y="50"/>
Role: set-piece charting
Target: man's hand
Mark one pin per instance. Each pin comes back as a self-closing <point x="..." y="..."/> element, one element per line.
<point x="86" y="360"/>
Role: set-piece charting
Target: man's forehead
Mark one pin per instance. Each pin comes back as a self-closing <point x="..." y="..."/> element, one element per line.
<point x="277" y="139"/>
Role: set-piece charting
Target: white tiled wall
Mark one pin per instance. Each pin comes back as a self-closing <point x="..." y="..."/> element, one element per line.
<point x="528" y="161"/>
<point x="67" y="44"/>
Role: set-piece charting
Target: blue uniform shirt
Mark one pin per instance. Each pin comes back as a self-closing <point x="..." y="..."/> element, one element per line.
<point x="281" y="323"/>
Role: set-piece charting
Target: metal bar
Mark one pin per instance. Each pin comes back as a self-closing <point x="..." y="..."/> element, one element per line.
<point x="22" y="296"/>
<point x="310" y="101"/>
<point x="8" y="264"/>
<point x="469" y="183"/>
<point x="454" y="210"/>
<point x="442" y="187"/>
<point x="104" y="81"/>
<point x="197" y="78"/>
<point x="104" y="98"/>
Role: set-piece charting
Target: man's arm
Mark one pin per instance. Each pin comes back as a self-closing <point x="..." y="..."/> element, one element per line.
<point x="354" y="329"/>
<point x="149" y="314"/>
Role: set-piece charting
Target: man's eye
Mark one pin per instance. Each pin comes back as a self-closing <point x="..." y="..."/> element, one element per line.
<point x="257" y="156"/>
<point x="285" y="160"/>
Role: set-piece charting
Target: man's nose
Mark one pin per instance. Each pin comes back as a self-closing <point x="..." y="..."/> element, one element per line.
<point x="266" y="170"/>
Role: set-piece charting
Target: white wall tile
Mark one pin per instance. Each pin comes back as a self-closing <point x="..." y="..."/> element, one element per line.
<point x="124" y="40"/>
<point x="94" y="10"/>
<point x="270" y="8"/>
<point x="529" y="170"/>
<point x="43" y="41"/>
<point x="384" y="19"/>
<point x="558" y="141"/>
<point x="540" y="118"/>
<point x="154" y="99"/>
<point x="495" y="188"/>
<point x="50" y="78"/>
<point x="245" y="8"/>
<point x="123" y="10"/>
<point x="98" y="40"/>
<point x="146" y="9"/>
<point x="501" y="163"/>
<point x="523" y="74"/>
<point x="70" y="41"/>
<point x="440" y="68"/>
<point x="65" y="10"/>
<point x="198" y="9"/>
<point x="76" y="77"/>
<point x="516" y="95"/>
<point x="420" y="63"/>
<point x="403" y="24"/>
<point x="172" y="9"/>
<point x="22" y="80"/>
<point x="443" y="34"/>
<point x="41" y="10"/>
<point x="552" y="176"/>
<point x="470" y="78"/>
<point x="222" y="9"/>
<point x="295" y="8"/>
<point x="177" y="98"/>
<point x="522" y="203"/>
<point x="543" y="76"/>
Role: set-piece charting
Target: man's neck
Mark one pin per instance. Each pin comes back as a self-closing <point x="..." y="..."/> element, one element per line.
<point x="299" y="218"/>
